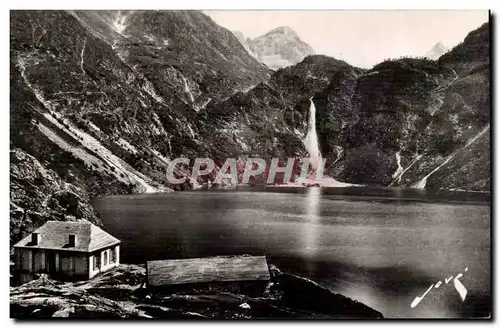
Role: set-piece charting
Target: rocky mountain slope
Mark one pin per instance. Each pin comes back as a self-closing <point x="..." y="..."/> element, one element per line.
<point x="281" y="47"/>
<point x="102" y="100"/>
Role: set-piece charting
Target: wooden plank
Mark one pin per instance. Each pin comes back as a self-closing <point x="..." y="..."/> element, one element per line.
<point x="210" y="269"/>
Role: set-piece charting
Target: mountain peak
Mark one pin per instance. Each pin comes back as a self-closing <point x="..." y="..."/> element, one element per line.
<point x="286" y="30"/>
<point x="436" y="51"/>
<point x="280" y="47"/>
<point x="440" y="46"/>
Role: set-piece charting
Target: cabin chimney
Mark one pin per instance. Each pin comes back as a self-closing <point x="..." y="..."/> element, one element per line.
<point x="71" y="241"/>
<point x="35" y="238"/>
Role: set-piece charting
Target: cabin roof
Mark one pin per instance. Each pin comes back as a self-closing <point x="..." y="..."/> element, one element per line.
<point x="209" y="269"/>
<point x="55" y="235"/>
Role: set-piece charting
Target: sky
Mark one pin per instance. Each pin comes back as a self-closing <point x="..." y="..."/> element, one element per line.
<point x="361" y="38"/>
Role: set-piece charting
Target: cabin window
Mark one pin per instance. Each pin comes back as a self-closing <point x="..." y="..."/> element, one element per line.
<point x="97" y="261"/>
<point x="112" y="255"/>
<point x="105" y="261"/>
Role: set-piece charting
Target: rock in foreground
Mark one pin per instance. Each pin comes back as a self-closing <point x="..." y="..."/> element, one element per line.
<point x="120" y="293"/>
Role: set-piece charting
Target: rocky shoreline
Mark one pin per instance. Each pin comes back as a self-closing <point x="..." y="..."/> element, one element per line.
<point x="121" y="293"/>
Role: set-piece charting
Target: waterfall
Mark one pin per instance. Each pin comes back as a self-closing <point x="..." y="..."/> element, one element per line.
<point x="399" y="170"/>
<point x="315" y="158"/>
<point x="311" y="139"/>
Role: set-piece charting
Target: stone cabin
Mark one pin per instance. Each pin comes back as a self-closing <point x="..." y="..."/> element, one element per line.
<point x="66" y="250"/>
<point x="242" y="274"/>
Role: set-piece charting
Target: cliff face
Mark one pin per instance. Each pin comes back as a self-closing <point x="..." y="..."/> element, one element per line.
<point x="102" y="100"/>
<point x="38" y="194"/>
<point x="419" y="114"/>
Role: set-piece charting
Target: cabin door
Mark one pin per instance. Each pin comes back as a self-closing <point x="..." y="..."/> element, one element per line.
<point x="51" y="261"/>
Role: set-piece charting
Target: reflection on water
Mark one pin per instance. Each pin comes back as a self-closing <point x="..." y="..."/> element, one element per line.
<point x="311" y="204"/>
<point x="381" y="252"/>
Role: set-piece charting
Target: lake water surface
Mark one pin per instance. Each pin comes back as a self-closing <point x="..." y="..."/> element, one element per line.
<point x="382" y="247"/>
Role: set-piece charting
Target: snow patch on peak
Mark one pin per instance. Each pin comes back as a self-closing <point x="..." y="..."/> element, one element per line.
<point x="436" y="51"/>
<point x="275" y="61"/>
<point x="119" y="23"/>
